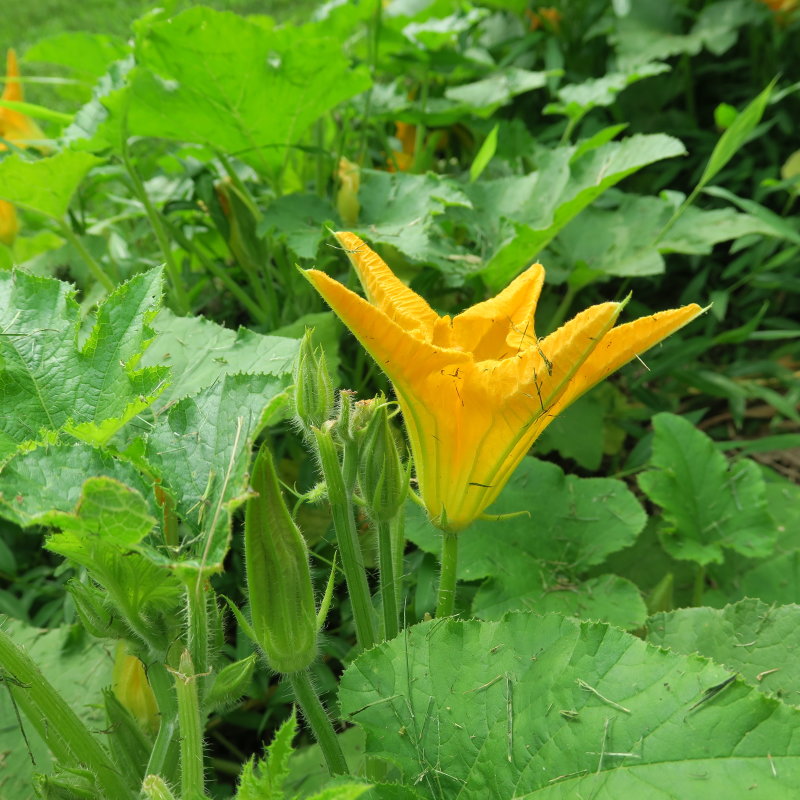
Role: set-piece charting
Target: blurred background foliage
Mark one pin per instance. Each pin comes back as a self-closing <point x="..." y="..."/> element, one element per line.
<point x="643" y="146"/>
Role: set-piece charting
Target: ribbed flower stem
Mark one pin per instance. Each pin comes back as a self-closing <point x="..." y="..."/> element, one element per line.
<point x="398" y="552"/>
<point x="192" y="773"/>
<point x="445" y="603"/>
<point x="388" y="593"/>
<point x="347" y="537"/>
<point x="197" y="629"/>
<point x="56" y="722"/>
<point x="319" y="722"/>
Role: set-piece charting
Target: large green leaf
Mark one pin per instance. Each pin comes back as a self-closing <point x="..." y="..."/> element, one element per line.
<point x="575" y="100"/>
<point x="520" y="216"/>
<point x="199" y="352"/>
<point x="49" y="480"/>
<point x="79" y="669"/>
<point x="87" y="55"/>
<point x="47" y="184"/>
<point x="399" y="209"/>
<point x="239" y="85"/>
<point x="573" y="522"/>
<point x="105" y="510"/>
<point x="651" y="29"/>
<point x="530" y="585"/>
<point x="604" y="240"/>
<point x="708" y="503"/>
<point x="300" y="220"/>
<point x="548" y="707"/>
<point x="775" y="579"/>
<point x="51" y="380"/>
<point x="755" y="639"/>
<point x="201" y="449"/>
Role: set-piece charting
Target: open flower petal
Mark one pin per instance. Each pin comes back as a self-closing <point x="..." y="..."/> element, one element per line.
<point x="622" y="344"/>
<point x="384" y="290"/>
<point x="403" y="356"/>
<point x="504" y="324"/>
<point x="476" y="391"/>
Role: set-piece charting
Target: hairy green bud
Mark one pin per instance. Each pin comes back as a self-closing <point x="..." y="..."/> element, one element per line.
<point x="381" y="477"/>
<point x="70" y="784"/>
<point x="313" y="388"/>
<point x="278" y="577"/>
<point x="231" y="683"/>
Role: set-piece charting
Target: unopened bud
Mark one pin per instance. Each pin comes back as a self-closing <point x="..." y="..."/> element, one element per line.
<point x="69" y="784"/>
<point x="93" y="612"/>
<point x="313" y="388"/>
<point x="382" y="478"/>
<point x="231" y="683"/>
<point x="278" y="577"/>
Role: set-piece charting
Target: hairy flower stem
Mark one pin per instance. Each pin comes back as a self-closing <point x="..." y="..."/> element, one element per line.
<point x="340" y="480"/>
<point x="60" y="728"/>
<point x="398" y="532"/>
<point x="197" y="628"/>
<point x="388" y="592"/>
<point x="192" y="777"/>
<point x="446" y="600"/>
<point x="163" y="755"/>
<point x="318" y="720"/>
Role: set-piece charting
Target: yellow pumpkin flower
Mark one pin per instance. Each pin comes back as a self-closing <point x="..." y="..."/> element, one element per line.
<point x="478" y="389"/>
<point x="9" y="224"/>
<point x="15" y="126"/>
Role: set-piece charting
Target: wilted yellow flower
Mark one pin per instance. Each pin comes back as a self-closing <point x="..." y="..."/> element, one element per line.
<point x="9" y="224"/>
<point x="131" y="687"/>
<point x="347" y="197"/>
<point x="15" y="126"/>
<point x="478" y="389"/>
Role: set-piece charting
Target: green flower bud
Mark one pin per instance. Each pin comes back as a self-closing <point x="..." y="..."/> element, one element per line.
<point x="278" y="578"/>
<point x="70" y="784"/>
<point x="382" y="478"/>
<point x="94" y="614"/>
<point x="231" y="683"/>
<point x="343" y="425"/>
<point x="313" y="388"/>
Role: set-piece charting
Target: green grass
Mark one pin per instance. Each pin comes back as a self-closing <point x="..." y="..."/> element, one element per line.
<point x="25" y="23"/>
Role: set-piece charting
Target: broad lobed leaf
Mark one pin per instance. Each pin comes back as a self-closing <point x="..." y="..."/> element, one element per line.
<point x="708" y="504"/>
<point x="50" y="381"/>
<point x="552" y="707"/>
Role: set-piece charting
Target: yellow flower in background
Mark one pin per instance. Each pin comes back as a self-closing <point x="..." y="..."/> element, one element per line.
<point x="406" y="134"/>
<point x="15" y="126"/>
<point x="9" y="224"/>
<point x="782" y="10"/>
<point x="478" y="389"/>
